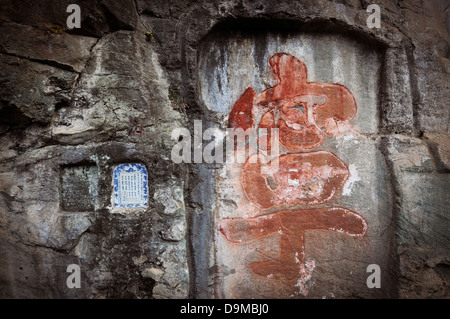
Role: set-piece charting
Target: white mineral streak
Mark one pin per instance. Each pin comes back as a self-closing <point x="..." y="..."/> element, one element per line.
<point x="306" y="271"/>
<point x="354" y="177"/>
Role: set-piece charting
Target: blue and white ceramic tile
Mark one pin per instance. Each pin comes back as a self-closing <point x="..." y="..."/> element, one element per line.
<point x="130" y="185"/>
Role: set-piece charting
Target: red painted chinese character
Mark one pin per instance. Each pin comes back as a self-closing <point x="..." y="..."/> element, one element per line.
<point x="291" y="226"/>
<point x="304" y="112"/>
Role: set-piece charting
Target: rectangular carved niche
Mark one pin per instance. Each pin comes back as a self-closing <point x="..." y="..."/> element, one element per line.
<point x="79" y="187"/>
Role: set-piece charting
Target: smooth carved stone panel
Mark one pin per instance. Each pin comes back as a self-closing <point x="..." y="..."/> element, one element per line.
<point x="328" y="64"/>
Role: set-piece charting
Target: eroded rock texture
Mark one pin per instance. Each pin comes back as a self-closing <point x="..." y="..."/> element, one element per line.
<point x="76" y="103"/>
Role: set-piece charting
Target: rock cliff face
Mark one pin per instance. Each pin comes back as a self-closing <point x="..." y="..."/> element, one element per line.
<point x="76" y="103"/>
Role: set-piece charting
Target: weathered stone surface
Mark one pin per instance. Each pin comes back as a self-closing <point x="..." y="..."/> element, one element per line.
<point x="37" y="217"/>
<point x="171" y="197"/>
<point x="409" y="154"/>
<point x="422" y="217"/>
<point x="20" y="93"/>
<point x="71" y="100"/>
<point x="97" y="17"/>
<point x="227" y="68"/>
<point x="242" y="195"/>
<point x="434" y="91"/>
<point x="58" y="198"/>
<point x="175" y="232"/>
<point x="397" y="101"/>
<point x="79" y="188"/>
<point x="120" y="15"/>
<point x="115" y="89"/>
<point x="31" y="271"/>
<point x="64" y="50"/>
<point x="153" y="273"/>
<point x="440" y="145"/>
